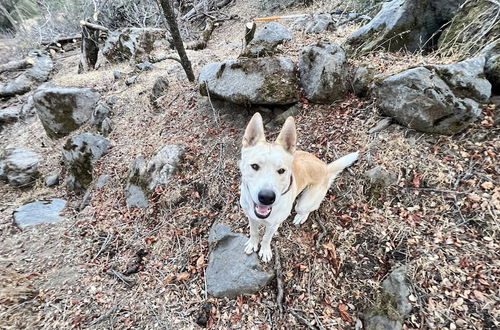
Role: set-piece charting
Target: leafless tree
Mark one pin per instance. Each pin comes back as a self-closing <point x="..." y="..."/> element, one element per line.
<point x="169" y="13"/>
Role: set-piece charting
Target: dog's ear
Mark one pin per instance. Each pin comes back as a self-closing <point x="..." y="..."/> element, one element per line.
<point x="288" y="135"/>
<point x="254" y="132"/>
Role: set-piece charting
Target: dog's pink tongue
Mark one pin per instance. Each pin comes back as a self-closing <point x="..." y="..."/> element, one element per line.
<point x="262" y="209"/>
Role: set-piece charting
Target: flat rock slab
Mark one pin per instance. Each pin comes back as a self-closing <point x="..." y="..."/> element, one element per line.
<point x="43" y="211"/>
<point x="231" y="272"/>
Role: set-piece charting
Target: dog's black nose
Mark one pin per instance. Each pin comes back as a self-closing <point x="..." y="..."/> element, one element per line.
<point x="267" y="197"/>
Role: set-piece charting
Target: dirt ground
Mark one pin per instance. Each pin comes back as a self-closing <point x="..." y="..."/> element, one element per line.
<point x="440" y="217"/>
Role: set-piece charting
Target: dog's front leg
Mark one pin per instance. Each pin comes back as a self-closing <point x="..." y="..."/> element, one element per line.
<point x="265" y="252"/>
<point x="252" y="245"/>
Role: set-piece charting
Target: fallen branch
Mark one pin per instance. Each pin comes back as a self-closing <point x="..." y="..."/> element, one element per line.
<point x="94" y="26"/>
<point x="163" y="58"/>
<point x="279" y="279"/>
<point x="17" y="65"/>
<point x="121" y="277"/>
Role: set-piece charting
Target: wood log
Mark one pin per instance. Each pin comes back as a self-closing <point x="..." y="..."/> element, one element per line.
<point x="17" y="65"/>
<point x="94" y="26"/>
<point x="249" y="32"/>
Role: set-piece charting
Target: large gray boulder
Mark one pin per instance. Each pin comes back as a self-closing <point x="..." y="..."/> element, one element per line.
<point x="420" y="99"/>
<point x="266" y="40"/>
<point x="323" y="72"/>
<point x="79" y="154"/>
<point x="403" y="25"/>
<point x="44" y="211"/>
<point x="131" y="44"/>
<point x="466" y="79"/>
<point x="145" y="177"/>
<point x="231" y="272"/>
<point x="268" y="80"/>
<point x="19" y="167"/>
<point x="64" y="109"/>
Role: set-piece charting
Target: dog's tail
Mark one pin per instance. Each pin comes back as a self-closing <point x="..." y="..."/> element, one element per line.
<point x="334" y="168"/>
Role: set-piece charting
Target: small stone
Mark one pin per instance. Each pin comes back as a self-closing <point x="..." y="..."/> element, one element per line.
<point x="106" y="127"/>
<point x="145" y="66"/>
<point x="111" y="100"/>
<point x="160" y="88"/>
<point x="131" y="80"/>
<point x="379" y="176"/>
<point x="101" y="181"/>
<point x="44" y="211"/>
<point x="117" y="74"/>
<point x="101" y="112"/>
<point x="52" y="179"/>
<point x="362" y="80"/>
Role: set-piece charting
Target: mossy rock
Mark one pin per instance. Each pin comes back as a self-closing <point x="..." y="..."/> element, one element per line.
<point x="471" y="29"/>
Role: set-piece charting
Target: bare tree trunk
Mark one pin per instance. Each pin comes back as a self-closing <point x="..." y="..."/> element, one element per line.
<point x="249" y="32"/>
<point x="89" y="49"/>
<point x="168" y="11"/>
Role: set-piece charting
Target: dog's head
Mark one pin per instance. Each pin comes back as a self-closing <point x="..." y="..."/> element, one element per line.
<point x="266" y="168"/>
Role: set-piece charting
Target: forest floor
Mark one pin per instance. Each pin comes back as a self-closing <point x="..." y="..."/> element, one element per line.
<point x="439" y="218"/>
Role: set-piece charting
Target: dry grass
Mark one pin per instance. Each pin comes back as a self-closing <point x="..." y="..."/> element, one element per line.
<point x="440" y="217"/>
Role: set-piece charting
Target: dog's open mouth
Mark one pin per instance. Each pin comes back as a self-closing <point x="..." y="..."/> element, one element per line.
<point x="262" y="211"/>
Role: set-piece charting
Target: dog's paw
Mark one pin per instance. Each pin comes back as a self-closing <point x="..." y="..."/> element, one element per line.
<point x="265" y="253"/>
<point x="300" y="218"/>
<point x="251" y="246"/>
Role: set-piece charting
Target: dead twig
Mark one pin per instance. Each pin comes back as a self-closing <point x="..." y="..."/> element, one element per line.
<point x="127" y="280"/>
<point x="323" y="230"/>
<point x="104" y="245"/>
<point x="302" y="319"/>
<point x="279" y="279"/>
<point x="104" y="316"/>
<point x="443" y="191"/>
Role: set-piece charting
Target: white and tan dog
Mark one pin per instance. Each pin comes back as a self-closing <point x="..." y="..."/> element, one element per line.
<point x="274" y="174"/>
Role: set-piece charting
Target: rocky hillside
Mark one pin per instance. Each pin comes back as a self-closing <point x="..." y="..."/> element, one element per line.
<point x="119" y="191"/>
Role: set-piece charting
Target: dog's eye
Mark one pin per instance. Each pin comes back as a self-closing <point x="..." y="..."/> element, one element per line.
<point x="255" y="167"/>
<point x="281" y="171"/>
